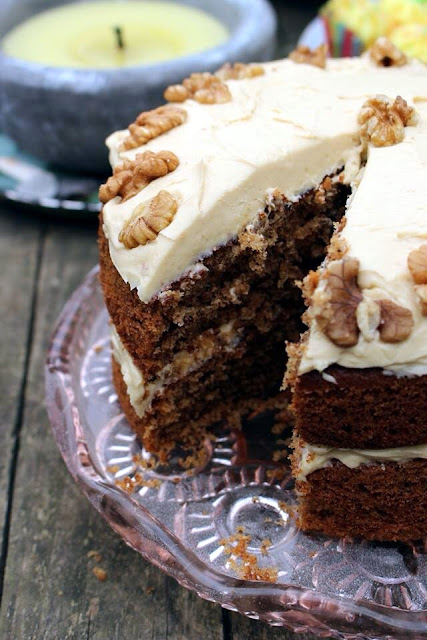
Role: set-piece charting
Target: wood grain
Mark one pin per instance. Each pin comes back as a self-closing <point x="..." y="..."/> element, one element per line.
<point x="20" y="245"/>
<point x="50" y="589"/>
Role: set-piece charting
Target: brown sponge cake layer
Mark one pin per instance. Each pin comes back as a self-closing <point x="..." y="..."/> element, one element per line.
<point x="250" y="278"/>
<point x="370" y="501"/>
<point x="249" y="282"/>
<point x="225" y="387"/>
<point x="363" y="408"/>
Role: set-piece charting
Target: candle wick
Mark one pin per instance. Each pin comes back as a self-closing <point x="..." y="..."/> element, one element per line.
<point x="119" y="37"/>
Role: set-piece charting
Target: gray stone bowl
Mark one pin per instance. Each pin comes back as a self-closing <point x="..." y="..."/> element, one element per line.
<point x="62" y="116"/>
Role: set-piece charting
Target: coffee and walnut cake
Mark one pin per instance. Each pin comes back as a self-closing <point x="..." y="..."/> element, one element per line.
<point x="256" y="196"/>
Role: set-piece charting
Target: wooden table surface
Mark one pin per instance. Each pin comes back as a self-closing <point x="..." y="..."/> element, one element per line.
<point x="47" y="527"/>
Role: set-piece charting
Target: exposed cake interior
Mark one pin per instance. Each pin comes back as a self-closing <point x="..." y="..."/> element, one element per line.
<point x="220" y="346"/>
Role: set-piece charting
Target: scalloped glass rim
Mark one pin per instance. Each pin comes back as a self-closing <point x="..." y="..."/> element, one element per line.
<point x="300" y="609"/>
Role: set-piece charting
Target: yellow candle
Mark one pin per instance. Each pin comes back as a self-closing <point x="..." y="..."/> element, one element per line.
<point x="103" y="35"/>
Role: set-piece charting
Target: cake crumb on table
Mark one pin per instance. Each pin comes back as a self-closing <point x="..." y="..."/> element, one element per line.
<point x="95" y="555"/>
<point x="100" y="574"/>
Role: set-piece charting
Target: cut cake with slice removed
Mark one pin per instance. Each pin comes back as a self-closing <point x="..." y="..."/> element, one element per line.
<point x="219" y="204"/>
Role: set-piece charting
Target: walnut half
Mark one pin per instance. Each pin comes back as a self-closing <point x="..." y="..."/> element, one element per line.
<point x="304" y="55"/>
<point x="335" y="304"/>
<point x="385" y="54"/>
<point x="239" y="71"/>
<point x="149" y="221"/>
<point x="133" y="175"/>
<point x="396" y="322"/>
<point x="202" y="87"/>
<point x="383" y="122"/>
<point x="417" y="264"/>
<point x="151" y="124"/>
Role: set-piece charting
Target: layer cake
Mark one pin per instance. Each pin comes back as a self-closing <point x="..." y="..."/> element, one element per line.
<point x="221" y="203"/>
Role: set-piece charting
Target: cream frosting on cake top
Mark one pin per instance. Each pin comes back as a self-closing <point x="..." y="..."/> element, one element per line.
<point x="386" y="220"/>
<point x="286" y="130"/>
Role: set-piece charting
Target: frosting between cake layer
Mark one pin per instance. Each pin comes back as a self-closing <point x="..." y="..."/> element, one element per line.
<point x="132" y="376"/>
<point x="142" y="393"/>
<point x="313" y="458"/>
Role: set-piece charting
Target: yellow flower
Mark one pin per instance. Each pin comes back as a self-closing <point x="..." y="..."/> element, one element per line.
<point x="412" y="40"/>
<point x="402" y="12"/>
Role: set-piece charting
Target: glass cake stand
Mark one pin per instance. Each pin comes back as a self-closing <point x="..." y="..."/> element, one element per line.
<point x="186" y="520"/>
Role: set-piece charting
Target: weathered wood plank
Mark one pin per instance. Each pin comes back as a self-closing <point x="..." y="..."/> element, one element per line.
<point x="19" y="248"/>
<point x="50" y="589"/>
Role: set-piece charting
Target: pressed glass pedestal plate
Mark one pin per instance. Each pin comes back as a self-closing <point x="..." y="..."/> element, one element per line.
<point x="183" y="520"/>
